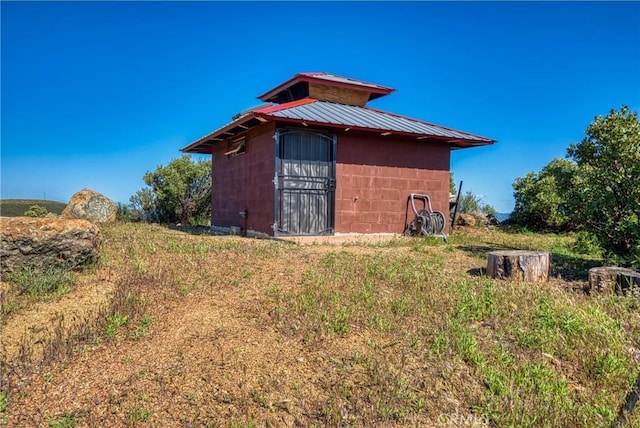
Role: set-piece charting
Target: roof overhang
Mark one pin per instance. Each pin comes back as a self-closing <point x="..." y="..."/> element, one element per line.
<point x="291" y="113"/>
<point x="238" y="126"/>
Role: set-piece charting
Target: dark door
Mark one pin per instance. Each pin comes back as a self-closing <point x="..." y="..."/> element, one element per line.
<point x="305" y="183"/>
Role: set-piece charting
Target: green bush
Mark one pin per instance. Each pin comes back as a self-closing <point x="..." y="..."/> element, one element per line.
<point x="605" y="194"/>
<point x="470" y="203"/>
<point x="541" y="198"/>
<point x="126" y="213"/>
<point x="587" y="244"/>
<point x="36" y="211"/>
<point x="177" y="193"/>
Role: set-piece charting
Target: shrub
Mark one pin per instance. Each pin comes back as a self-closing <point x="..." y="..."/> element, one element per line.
<point x="36" y="211"/>
<point x="470" y="203"/>
<point x="587" y="244"/>
<point x="541" y="198"/>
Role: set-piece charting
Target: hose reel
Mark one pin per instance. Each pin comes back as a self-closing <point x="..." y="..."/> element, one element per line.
<point x="426" y="221"/>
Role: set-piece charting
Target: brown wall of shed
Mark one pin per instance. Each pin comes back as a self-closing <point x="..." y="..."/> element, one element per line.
<point x="376" y="174"/>
<point x="245" y="182"/>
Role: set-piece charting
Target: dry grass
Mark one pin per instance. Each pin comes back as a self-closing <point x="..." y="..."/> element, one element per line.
<point x="174" y="329"/>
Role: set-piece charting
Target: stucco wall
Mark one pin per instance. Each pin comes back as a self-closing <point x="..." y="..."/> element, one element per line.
<point x="375" y="174"/>
<point x="245" y="182"/>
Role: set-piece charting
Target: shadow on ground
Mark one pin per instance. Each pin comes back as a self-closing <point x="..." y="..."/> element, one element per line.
<point x="192" y="230"/>
<point x="571" y="268"/>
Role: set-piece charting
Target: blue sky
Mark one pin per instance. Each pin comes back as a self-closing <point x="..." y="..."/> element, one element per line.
<point x="96" y="94"/>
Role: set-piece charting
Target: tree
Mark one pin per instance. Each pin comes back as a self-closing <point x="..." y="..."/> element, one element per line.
<point x="541" y="198"/>
<point x="452" y="185"/>
<point x="596" y="190"/>
<point x="470" y="203"/>
<point x="178" y="192"/>
<point x="144" y="204"/>
<point x="606" y="189"/>
<point x="127" y="213"/>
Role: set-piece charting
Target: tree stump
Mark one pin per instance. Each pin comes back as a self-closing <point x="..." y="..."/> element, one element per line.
<point x="519" y="265"/>
<point x="613" y="278"/>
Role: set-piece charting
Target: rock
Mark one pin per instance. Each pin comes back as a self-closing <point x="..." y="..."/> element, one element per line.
<point x="484" y="219"/>
<point x="465" y="220"/>
<point x="41" y="243"/>
<point x="493" y="220"/>
<point x="90" y="205"/>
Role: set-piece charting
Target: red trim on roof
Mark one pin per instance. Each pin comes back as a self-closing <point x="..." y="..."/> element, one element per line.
<point x="270" y="109"/>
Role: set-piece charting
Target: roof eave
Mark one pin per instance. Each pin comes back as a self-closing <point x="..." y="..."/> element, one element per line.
<point x="216" y="136"/>
<point x="457" y="143"/>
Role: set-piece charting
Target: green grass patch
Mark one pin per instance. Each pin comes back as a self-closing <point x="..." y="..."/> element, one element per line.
<point x="51" y="282"/>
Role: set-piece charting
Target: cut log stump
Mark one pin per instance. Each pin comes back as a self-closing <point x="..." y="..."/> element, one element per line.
<point x="613" y="278"/>
<point x="519" y="265"/>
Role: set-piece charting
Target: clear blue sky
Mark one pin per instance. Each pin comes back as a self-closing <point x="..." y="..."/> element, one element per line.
<point x="96" y="94"/>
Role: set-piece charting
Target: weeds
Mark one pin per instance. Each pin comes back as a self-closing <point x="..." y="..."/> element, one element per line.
<point x="114" y="322"/>
<point x="138" y="414"/>
<point x="66" y="421"/>
<point x="49" y="283"/>
<point x="142" y="328"/>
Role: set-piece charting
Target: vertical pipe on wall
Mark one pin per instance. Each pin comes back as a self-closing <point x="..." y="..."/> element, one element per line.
<point x="455" y="208"/>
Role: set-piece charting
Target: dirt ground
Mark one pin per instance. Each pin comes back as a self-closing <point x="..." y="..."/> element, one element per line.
<point x="214" y="353"/>
<point x="212" y="356"/>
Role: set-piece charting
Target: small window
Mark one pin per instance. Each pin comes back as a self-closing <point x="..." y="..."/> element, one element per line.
<point x="236" y="148"/>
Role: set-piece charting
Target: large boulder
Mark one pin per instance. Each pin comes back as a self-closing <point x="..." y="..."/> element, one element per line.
<point x="484" y="219"/>
<point x="41" y="243"/>
<point x="465" y="220"/>
<point x="90" y="205"/>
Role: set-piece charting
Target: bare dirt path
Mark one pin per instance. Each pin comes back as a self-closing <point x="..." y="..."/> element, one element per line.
<point x="32" y="325"/>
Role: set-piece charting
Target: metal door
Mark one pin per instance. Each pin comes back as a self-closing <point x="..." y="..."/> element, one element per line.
<point x="304" y="183"/>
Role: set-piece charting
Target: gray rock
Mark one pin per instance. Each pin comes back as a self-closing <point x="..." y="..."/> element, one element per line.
<point x="90" y="205"/>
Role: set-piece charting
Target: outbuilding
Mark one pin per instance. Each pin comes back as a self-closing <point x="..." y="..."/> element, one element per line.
<point x="316" y="160"/>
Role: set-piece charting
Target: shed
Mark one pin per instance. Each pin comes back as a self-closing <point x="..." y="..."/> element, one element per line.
<point x="316" y="160"/>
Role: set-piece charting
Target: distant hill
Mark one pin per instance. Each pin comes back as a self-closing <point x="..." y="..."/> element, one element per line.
<point x="17" y="207"/>
<point x="503" y="216"/>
